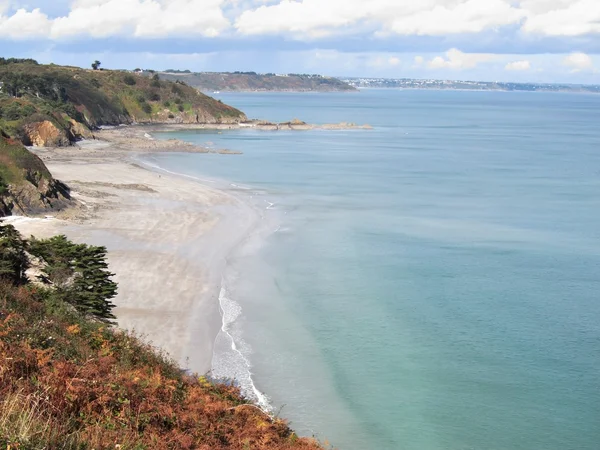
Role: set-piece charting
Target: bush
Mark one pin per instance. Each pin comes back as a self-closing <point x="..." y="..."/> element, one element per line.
<point x="181" y="108"/>
<point x="178" y="101"/>
<point x="129" y="80"/>
<point x="176" y="89"/>
<point x="154" y="97"/>
<point x="147" y="108"/>
<point x="167" y="104"/>
<point x="141" y="99"/>
<point x="171" y="116"/>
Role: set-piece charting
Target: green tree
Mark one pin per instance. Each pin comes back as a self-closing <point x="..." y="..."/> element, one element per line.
<point x="80" y="274"/>
<point x="96" y="65"/>
<point x="13" y="258"/>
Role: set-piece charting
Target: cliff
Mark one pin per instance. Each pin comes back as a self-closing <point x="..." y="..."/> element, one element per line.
<point x="49" y="105"/>
<point x="250" y="81"/>
<point x="26" y="186"/>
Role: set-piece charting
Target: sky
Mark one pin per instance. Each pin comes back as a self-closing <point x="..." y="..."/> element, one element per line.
<point x="487" y="40"/>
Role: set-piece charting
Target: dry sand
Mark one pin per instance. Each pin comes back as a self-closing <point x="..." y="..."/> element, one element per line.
<point x="167" y="236"/>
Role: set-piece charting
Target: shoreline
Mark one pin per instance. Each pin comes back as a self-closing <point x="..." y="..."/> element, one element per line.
<point x="168" y="238"/>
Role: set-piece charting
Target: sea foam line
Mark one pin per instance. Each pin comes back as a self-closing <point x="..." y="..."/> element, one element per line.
<point x="229" y="316"/>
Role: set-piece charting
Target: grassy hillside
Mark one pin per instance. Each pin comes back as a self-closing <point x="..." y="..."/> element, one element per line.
<point x="250" y="81"/>
<point x="17" y="163"/>
<point x="69" y="96"/>
<point x="68" y="381"/>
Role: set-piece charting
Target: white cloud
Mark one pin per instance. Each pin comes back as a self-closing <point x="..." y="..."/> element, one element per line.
<point x="394" y="61"/>
<point x="138" y="18"/>
<point x="24" y="24"/>
<point x="419" y="60"/>
<point x="561" y="17"/>
<point x="578" y="61"/>
<point x="455" y="59"/>
<point x="518" y="65"/>
<point x="314" y="18"/>
<point x="299" y="18"/>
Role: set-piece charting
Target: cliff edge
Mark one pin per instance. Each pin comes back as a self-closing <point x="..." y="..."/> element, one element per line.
<point x="26" y="185"/>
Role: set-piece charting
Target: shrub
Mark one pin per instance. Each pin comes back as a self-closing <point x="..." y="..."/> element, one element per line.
<point x="154" y="97"/>
<point x="176" y="89"/>
<point x="181" y="108"/>
<point x="178" y="101"/>
<point x="129" y="80"/>
<point x="147" y="108"/>
<point x="167" y="104"/>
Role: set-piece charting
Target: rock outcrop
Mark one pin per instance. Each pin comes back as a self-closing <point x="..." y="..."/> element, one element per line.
<point x="44" y="134"/>
<point x="39" y="196"/>
<point x="26" y="185"/>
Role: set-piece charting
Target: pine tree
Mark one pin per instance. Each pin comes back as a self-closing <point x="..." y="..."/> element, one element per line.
<point x="80" y="274"/>
<point x="13" y="259"/>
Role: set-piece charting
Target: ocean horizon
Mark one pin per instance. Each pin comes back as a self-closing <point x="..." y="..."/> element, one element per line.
<point x="427" y="284"/>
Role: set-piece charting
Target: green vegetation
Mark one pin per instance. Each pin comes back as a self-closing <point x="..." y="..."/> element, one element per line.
<point x="252" y="81"/>
<point x="13" y="259"/>
<point x="129" y="80"/>
<point x="33" y="93"/>
<point x="71" y="382"/>
<point x="79" y="274"/>
<point x="18" y="165"/>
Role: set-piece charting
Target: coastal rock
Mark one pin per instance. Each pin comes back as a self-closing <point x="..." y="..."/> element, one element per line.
<point x="79" y="131"/>
<point x="26" y="185"/>
<point x="45" y="134"/>
<point x="38" y="196"/>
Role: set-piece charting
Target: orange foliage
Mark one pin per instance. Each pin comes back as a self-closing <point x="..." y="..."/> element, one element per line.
<point x="93" y="387"/>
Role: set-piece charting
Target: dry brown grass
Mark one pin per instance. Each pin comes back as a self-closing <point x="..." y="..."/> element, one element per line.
<point x="68" y="383"/>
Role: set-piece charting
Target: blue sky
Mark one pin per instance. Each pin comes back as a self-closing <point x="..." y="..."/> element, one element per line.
<point x="507" y="40"/>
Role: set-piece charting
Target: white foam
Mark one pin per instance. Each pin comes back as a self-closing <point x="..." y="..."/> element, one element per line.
<point x="230" y="312"/>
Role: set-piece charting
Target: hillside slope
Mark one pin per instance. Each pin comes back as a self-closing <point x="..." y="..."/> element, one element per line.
<point x="26" y="185"/>
<point x="68" y="381"/>
<point x="53" y="105"/>
<point x="250" y="81"/>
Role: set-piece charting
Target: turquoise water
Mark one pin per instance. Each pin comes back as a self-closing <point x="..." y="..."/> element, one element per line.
<point x="429" y="284"/>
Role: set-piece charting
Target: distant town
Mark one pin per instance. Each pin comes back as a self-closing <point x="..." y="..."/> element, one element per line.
<point x="409" y="83"/>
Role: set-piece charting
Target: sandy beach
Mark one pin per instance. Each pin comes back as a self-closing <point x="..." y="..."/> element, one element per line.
<point x="167" y="236"/>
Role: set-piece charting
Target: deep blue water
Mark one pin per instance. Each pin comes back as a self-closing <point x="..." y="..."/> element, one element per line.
<point x="434" y="282"/>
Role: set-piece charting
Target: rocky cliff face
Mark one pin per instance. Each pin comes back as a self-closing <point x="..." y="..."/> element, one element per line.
<point x="38" y="197"/>
<point x="44" y="134"/>
<point x="26" y="186"/>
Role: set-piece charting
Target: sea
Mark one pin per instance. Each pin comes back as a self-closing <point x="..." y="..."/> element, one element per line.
<point x="432" y="283"/>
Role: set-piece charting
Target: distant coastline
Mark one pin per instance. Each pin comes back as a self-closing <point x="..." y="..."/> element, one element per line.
<point x="432" y="84"/>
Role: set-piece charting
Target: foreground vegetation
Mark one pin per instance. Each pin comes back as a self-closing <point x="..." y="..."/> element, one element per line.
<point x="70" y="380"/>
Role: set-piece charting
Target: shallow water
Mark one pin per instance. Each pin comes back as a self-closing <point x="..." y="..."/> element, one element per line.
<point x="428" y="284"/>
